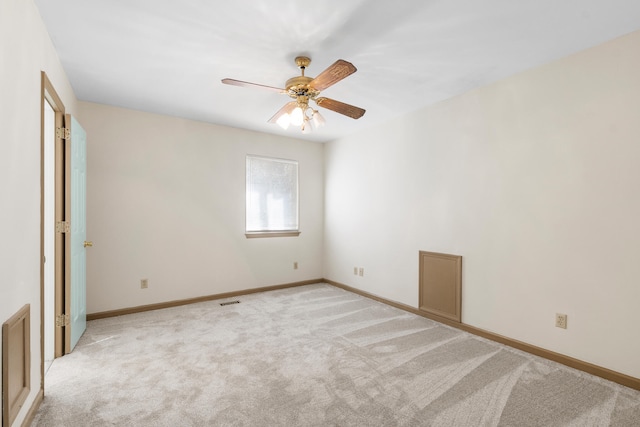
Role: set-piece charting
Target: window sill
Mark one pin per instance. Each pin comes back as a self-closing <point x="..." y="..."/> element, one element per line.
<point x="260" y="234"/>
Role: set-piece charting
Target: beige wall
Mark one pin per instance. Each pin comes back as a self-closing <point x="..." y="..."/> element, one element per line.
<point x="533" y="180"/>
<point x="166" y="200"/>
<point x="25" y="51"/>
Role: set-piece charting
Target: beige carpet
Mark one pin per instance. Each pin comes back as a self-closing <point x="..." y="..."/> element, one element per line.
<point x="313" y="356"/>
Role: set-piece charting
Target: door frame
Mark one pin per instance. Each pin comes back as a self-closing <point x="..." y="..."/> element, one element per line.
<point x="62" y="272"/>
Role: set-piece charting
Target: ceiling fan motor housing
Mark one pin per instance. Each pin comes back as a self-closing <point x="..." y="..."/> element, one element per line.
<point x="299" y="86"/>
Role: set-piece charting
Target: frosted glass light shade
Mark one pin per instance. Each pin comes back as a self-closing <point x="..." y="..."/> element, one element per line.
<point x="317" y="118"/>
<point x="297" y="116"/>
<point x="284" y="120"/>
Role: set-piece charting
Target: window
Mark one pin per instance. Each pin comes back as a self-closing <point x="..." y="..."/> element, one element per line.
<point x="272" y="197"/>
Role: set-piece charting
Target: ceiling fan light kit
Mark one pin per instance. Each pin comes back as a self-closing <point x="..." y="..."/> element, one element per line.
<point x="304" y="89"/>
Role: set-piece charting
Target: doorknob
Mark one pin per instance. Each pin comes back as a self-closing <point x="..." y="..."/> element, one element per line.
<point x="89" y="244"/>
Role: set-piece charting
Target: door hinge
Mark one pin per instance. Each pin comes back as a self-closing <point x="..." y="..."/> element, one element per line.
<point x="63" y="227"/>
<point x="62" y="320"/>
<point x="63" y="133"/>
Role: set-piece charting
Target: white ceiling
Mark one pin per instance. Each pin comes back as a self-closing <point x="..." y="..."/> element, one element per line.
<point x="168" y="57"/>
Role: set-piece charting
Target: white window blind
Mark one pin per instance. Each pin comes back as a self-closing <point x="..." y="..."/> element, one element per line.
<point x="272" y="195"/>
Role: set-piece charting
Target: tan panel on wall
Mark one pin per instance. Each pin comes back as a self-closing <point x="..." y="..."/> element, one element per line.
<point x="16" y="364"/>
<point x="441" y="284"/>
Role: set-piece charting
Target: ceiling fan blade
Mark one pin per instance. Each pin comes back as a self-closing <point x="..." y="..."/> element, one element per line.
<point x="240" y="83"/>
<point x="332" y="75"/>
<point x="341" y="107"/>
<point x="286" y="109"/>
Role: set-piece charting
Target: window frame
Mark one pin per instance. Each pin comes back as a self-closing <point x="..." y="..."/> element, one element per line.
<point x="271" y="233"/>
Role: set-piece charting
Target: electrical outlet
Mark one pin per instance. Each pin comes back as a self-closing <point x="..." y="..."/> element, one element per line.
<point x="144" y="283"/>
<point x="295" y="265"/>
<point x="561" y="321"/>
<point x="355" y="271"/>
<point x="361" y="271"/>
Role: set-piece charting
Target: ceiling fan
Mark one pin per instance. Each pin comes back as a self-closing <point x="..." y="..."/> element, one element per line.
<point x="304" y="89"/>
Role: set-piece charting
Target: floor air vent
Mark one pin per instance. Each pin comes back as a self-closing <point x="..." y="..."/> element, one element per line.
<point x="230" y="302"/>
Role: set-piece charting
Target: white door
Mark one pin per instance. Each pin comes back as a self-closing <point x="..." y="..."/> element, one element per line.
<point x="76" y="298"/>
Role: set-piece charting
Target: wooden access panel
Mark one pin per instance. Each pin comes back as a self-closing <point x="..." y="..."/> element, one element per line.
<point x="441" y="284"/>
<point x="16" y="364"/>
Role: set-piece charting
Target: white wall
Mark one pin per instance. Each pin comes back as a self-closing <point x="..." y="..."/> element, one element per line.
<point x="165" y="202"/>
<point x="533" y="180"/>
<point x="25" y="51"/>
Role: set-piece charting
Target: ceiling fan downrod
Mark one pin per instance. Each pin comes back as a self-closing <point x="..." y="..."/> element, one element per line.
<point x="303" y="62"/>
